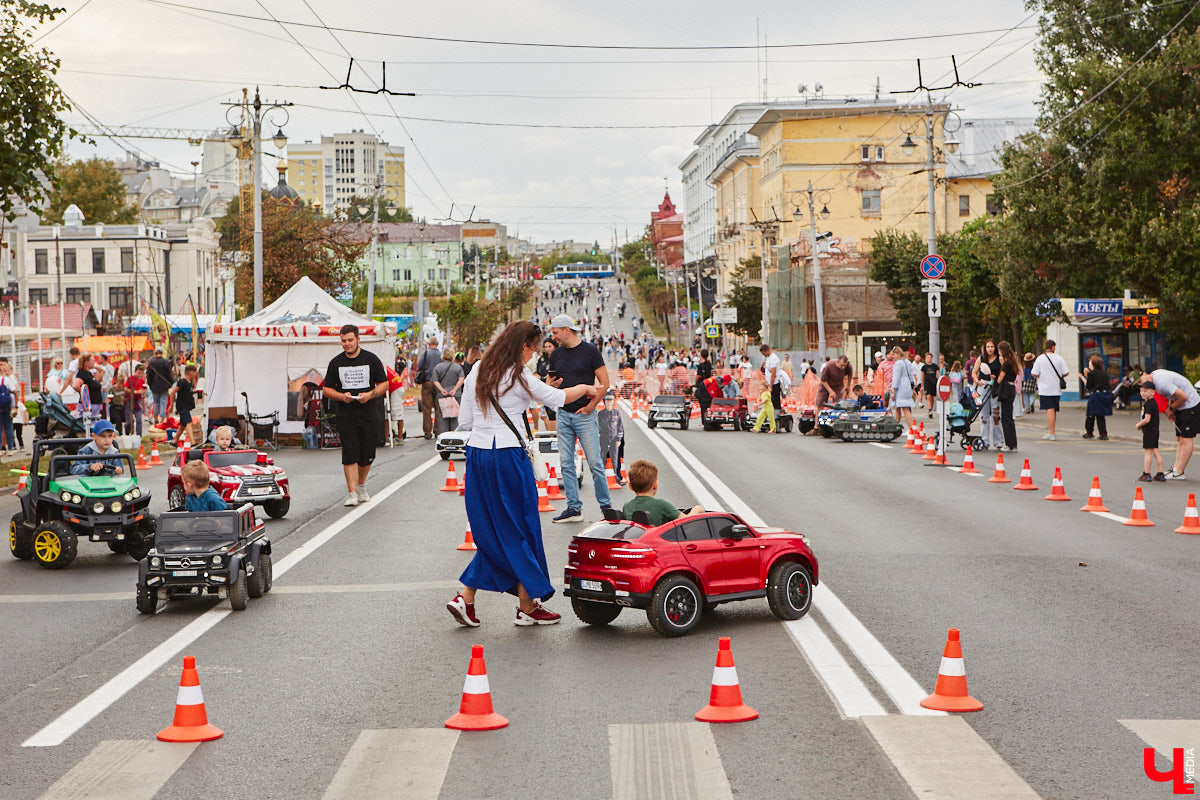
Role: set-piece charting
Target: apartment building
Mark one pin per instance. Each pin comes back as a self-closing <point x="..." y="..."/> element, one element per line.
<point x="328" y="173"/>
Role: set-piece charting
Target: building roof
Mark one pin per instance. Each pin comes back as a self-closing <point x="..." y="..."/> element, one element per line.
<point x="820" y="108"/>
<point x="406" y="232"/>
<point x="980" y="143"/>
<point x="742" y="146"/>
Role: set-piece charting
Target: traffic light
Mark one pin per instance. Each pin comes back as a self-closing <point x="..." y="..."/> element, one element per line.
<point x="596" y="248"/>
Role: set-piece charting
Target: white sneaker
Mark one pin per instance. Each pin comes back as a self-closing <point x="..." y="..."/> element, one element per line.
<point x="351" y="500"/>
<point x="1050" y="437"/>
<point x="363" y="494"/>
<point x="1172" y="475"/>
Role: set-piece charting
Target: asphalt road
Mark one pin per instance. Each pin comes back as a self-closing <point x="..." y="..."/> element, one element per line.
<point x="355" y="639"/>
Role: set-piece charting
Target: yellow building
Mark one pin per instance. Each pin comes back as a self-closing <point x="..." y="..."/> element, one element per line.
<point x="331" y="172"/>
<point x="735" y="183"/>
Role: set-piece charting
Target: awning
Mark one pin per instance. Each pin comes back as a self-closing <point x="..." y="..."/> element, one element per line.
<point x="115" y="344"/>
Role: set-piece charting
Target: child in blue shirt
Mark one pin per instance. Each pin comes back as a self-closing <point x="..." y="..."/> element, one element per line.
<point x="200" y="496"/>
<point x="103" y="434"/>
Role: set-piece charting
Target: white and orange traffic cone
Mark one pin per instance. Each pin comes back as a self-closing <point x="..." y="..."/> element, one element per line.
<point x="468" y="542"/>
<point x="1025" y="484"/>
<point x="191" y="720"/>
<point x="609" y="474"/>
<point x="552" y="490"/>
<point x="998" y="474"/>
<point x="918" y="444"/>
<point x="1095" y="501"/>
<point x="543" y="500"/>
<point x="1057" y="490"/>
<point x="725" y="699"/>
<point x="633" y="414"/>
<point x="930" y="450"/>
<point x="181" y="442"/>
<point x="1191" y="519"/>
<point x="23" y="481"/>
<point x="451" y="479"/>
<point x="155" y="458"/>
<point x="968" y="467"/>
<point x="950" y="693"/>
<point x="475" y="711"/>
<point x="1137" y="516"/>
<point x="142" y="463"/>
<point x="908" y="438"/>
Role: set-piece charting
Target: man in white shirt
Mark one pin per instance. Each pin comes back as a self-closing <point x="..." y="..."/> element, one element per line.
<point x="771" y="372"/>
<point x="1183" y="407"/>
<point x="1050" y="370"/>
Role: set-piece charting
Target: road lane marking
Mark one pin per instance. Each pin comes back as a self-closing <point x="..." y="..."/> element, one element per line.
<point x="887" y="671"/>
<point x="880" y="444"/>
<point x="666" y="761"/>
<point x="969" y="474"/>
<point x="310" y="588"/>
<point x="1164" y="735"/>
<point x="1109" y="515"/>
<point x="121" y="770"/>
<point x="89" y="707"/>
<point x="842" y="683"/>
<point x="945" y="758"/>
<point x="85" y="597"/>
<point x="386" y="764"/>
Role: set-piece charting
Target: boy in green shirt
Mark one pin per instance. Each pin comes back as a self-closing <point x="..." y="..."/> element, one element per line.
<point x="643" y="479"/>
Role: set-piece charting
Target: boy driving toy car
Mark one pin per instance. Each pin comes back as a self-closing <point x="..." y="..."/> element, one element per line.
<point x="103" y="433"/>
<point x="643" y="479"/>
<point x="200" y="496"/>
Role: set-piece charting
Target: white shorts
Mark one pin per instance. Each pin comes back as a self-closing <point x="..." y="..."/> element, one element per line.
<point x="396" y="406"/>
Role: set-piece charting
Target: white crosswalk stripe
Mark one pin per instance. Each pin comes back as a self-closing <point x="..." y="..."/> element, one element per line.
<point x="666" y="761"/>
<point x="387" y="764"/>
<point x="121" y="770"/>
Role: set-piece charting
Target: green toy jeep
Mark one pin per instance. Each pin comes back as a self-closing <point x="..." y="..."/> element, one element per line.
<point x="61" y="507"/>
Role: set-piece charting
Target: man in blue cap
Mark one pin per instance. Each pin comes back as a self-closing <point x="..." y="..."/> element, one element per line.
<point x="103" y="434"/>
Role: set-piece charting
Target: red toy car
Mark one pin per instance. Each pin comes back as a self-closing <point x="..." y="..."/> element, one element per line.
<point x="689" y="565"/>
<point x="239" y="476"/>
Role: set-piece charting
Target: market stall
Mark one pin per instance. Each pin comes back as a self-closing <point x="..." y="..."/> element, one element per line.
<point x="275" y="356"/>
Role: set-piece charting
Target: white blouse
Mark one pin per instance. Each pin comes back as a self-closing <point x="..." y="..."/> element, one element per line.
<point x="487" y="427"/>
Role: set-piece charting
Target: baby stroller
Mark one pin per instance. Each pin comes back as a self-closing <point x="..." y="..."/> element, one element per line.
<point x="56" y="420"/>
<point x="262" y="430"/>
<point x="961" y="416"/>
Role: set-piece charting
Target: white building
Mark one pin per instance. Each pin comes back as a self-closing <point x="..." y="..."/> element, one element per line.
<point x="218" y="159"/>
<point x="699" y="197"/>
<point x="329" y="173"/>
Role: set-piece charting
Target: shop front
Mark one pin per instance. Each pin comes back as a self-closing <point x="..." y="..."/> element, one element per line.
<point x="1124" y="332"/>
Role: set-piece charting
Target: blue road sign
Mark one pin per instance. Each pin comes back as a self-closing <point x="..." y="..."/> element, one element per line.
<point x="933" y="267"/>
<point x="695" y="314"/>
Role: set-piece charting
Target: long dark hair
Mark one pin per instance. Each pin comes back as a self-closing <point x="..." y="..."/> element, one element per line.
<point x="1008" y="359"/>
<point x="503" y="364"/>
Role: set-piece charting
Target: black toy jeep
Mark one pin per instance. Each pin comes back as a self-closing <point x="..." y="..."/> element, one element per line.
<point x="223" y="553"/>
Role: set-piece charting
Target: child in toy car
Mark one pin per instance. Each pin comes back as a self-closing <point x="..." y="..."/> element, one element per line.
<point x="200" y="496"/>
<point x="643" y="479"/>
<point x="103" y="434"/>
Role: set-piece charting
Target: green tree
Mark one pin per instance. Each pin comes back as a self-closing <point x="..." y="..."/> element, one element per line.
<point x="297" y="241"/>
<point x="31" y="104"/>
<point x="470" y="322"/>
<point x="746" y="299"/>
<point x="1104" y="196"/>
<point x="93" y="185"/>
<point x="355" y="214"/>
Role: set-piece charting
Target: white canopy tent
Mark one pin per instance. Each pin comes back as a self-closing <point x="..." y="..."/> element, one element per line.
<point x="271" y="354"/>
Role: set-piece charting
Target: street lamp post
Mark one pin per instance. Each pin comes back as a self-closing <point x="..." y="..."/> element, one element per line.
<point x="816" y="258"/>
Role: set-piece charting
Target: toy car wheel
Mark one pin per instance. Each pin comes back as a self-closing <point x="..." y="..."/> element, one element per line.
<point x="54" y="545"/>
<point x="268" y="572"/>
<point x="683" y="424"/>
<point x="116" y="545"/>
<point x="176" y="498"/>
<point x="20" y="543"/>
<point x="675" y="606"/>
<point x="789" y="590"/>
<point x="826" y="433"/>
<point x="258" y="584"/>
<point x="592" y="613"/>
<point x="277" y="509"/>
<point x="651" y="422"/>
<point x="147" y="599"/>
<point x="445" y="456"/>
<point x="238" y="591"/>
<point x="139" y="545"/>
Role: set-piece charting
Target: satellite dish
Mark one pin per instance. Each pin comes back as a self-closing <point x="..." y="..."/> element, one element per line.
<point x="802" y="88"/>
<point x="818" y="88"/>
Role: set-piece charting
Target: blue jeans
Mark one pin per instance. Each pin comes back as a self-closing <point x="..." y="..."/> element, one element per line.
<point x="160" y="403"/>
<point x="584" y="427"/>
<point x="7" y="436"/>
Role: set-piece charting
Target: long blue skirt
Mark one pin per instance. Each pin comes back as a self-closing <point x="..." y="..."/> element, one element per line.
<point x="502" y="510"/>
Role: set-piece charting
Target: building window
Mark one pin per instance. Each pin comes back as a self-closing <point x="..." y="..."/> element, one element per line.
<point x="964" y="205"/>
<point x="79" y="295"/>
<point x="430" y="274"/>
<point x="40" y="263"/>
<point x="120" y="298"/>
<point x="993" y="205"/>
<point x="445" y="274"/>
<point x="39" y="296"/>
<point x="866" y="152"/>
<point x="126" y="259"/>
<point x="395" y="274"/>
<point x="408" y="274"/>
<point x="879" y="152"/>
<point x="871" y="203"/>
<point x="97" y="260"/>
<point x="69" y="267"/>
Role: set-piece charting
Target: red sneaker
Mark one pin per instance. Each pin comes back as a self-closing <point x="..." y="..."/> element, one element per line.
<point x="538" y="616"/>
<point x="463" y="612"/>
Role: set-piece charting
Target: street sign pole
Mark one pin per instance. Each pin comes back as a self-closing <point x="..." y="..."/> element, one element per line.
<point x="943" y="393"/>
<point x="933" y="269"/>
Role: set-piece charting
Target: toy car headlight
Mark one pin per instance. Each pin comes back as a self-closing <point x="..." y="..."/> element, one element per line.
<point x="66" y="496"/>
<point x="217" y="561"/>
<point x="156" y="563"/>
<point x="136" y="492"/>
<point x="128" y="496"/>
<point x="76" y="499"/>
<point x="116" y="506"/>
<point x="98" y="507"/>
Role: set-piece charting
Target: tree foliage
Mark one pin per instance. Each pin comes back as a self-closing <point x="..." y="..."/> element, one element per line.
<point x="353" y="213"/>
<point x="297" y="241"/>
<point x="469" y="322"/>
<point x="95" y="186"/>
<point x="32" y="133"/>
<point x="746" y="299"/>
<point x="1105" y="195"/>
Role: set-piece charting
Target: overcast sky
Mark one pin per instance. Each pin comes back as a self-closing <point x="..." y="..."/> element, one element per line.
<point x="141" y="62"/>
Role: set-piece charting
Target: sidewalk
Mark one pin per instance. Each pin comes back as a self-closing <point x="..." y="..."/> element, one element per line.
<point x="1069" y="424"/>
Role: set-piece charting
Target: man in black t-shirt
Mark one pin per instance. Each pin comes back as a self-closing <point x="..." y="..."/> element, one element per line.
<point x="356" y="379"/>
<point x="703" y="371"/>
<point x="159" y="379"/>
<point x="929" y="379"/>
<point x="573" y="363"/>
<point x="185" y="398"/>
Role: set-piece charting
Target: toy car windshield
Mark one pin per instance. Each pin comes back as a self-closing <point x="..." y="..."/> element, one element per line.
<point x="623" y="531"/>
<point x="670" y="400"/>
<point x="200" y="532"/>
<point x="60" y="466"/>
<point x="221" y="458"/>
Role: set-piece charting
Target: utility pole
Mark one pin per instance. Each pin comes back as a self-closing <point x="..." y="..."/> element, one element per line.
<point x="476" y="274"/>
<point x="935" y="336"/>
<point x="816" y="256"/>
<point x="374" y="247"/>
<point x="421" y="285"/>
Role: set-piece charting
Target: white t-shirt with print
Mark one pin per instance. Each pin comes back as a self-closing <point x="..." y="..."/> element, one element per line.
<point x="1043" y="369"/>
<point x="1167" y="382"/>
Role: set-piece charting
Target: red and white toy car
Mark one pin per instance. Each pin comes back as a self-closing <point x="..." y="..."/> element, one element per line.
<point x="692" y="564"/>
<point x="239" y="476"/>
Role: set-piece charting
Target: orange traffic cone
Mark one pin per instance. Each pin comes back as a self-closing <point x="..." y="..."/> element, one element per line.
<point x="475" y="711"/>
<point x="930" y="450"/>
<point x="908" y="438"/>
<point x="23" y="481"/>
<point x="191" y="720"/>
<point x="552" y="490"/>
<point x="543" y="500"/>
<point x="695" y="413"/>
<point x="142" y="463"/>
<point x="1137" y="517"/>
<point x="181" y="442"/>
<point x="968" y="467"/>
<point x="468" y="542"/>
<point x="1025" y="484"/>
<point x="633" y="414"/>
<point x="950" y="694"/>
<point x="1057" y="490"/>
<point x="608" y="473"/>
<point x="725" y="700"/>
<point x="1095" y="501"/>
<point x="1191" y="519"/>
<point x="918" y="444"/>
<point x="999" y="475"/>
<point x="451" y="479"/>
<point x="155" y="458"/>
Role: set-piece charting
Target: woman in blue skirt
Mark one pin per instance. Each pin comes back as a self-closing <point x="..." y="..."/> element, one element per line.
<point x="501" y="493"/>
